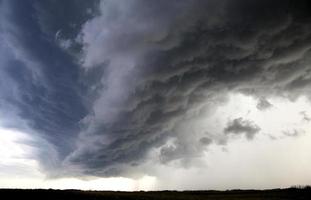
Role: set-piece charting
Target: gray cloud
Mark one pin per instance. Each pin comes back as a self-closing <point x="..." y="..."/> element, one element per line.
<point x="137" y="72"/>
<point x="293" y="133"/>
<point x="263" y="104"/>
<point x="181" y="65"/>
<point x="206" y="140"/>
<point x="46" y="94"/>
<point x="240" y="126"/>
<point x="305" y="116"/>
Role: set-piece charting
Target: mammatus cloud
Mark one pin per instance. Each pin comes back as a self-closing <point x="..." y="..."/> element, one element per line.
<point x="240" y="126"/>
<point x="117" y="83"/>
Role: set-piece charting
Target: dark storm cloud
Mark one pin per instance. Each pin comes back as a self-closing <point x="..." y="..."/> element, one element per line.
<point x="41" y="82"/>
<point x="186" y="59"/>
<point x="148" y="69"/>
<point x="241" y="126"/>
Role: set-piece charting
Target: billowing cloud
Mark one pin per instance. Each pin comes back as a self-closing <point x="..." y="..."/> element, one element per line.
<point x="240" y="126"/>
<point x="263" y="104"/>
<point x="164" y="71"/>
<point x="206" y="140"/>
<point x="305" y="116"/>
<point x="40" y="85"/>
<point x="119" y="83"/>
<point x="293" y="133"/>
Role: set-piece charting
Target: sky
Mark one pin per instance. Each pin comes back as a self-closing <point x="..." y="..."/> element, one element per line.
<point x="155" y="95"/>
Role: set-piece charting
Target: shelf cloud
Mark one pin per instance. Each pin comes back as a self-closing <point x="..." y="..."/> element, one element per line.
<point x="110" y="85"/>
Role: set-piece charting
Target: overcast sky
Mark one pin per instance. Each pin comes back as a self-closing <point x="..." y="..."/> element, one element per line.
<point x="153" y="95"/>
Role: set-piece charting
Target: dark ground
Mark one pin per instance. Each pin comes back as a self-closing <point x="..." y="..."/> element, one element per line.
<point x="275" y="194"/>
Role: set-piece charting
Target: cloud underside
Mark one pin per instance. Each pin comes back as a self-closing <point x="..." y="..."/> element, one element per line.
<point x="132" y="74"/>
<point x="240" y="126"/>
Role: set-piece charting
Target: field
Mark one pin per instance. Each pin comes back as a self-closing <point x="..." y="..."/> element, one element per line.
<point x="275" y="194"/>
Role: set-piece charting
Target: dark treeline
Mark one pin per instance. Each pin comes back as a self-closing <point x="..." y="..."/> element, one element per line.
<point x="295" y="193"/>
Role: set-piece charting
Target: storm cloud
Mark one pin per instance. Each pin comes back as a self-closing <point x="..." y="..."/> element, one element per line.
<point x="117" y="81"/>
<point x="263" y="104"/>
<point x="240" y="126"/>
